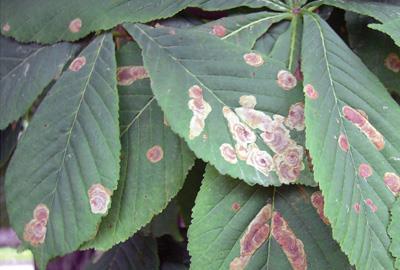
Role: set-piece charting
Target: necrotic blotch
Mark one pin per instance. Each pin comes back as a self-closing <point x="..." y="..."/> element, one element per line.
<point x="228" y="153"/>
<point x="253" y="59"/>
<point x="41" y="213"/>
<point x="295" y="118"/>
<point x="364" y="170"/>
<point x="249" y="101"/>
<point x="290" y="244"/>
<point x="75" y="25"/>
<point x="343" y="142"/>
<point x="371" y="205"/>
<point x="392" y="62"/>
<point x="317" y="200"/>
<point x="200" y="109"/>
<point x="128" y="74"/>
<point x="77" y="64"/>
<point x="310" y="92"/>
<point x="360" y="120"/>
<point x="6" y="28"/>
<point x="35" y="229"/>
<point x="218" y="30"/>
<point x="392" y="181"/>
<point x="99" y="198"/>
<point x="155" y="154"/>
<point x="260" y="160"/>
<point x="286" y="80"/>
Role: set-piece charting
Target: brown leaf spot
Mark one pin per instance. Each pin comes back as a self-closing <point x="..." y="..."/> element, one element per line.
<point x="364" y="170"/>
<point x="77" y="63"/>
<point x="392" y="181"/>
<point x="228" y="153"/>
<point x="6" y="28"/>
<point x="75" y="25"/>
<point x="343" y="142"/>
<point x="99" y="198"/>
<point x="218" y="30"/>
<point x="392" y="62"/>
<point x="357" y="208"/>
<point x="295" y="118"/>
<point x="128" y="74"/>
<point x="317" y="200"/>
<point x="310" y="92"/>
<point x="253" y="59"/>
<point x="371" y="205"/>
<point x="249" y="101"/>
<point x="260" y="160"/>
<point x="290" y="244"/>
<point x="200" y="108"/>
<point x="360" y="121"/>
<point x="235" y="206"/>
<point x="41" y="213"/>
<point x="286" y="80"/>
<point x="155" y="154"/>
<point x="35" y="229"/>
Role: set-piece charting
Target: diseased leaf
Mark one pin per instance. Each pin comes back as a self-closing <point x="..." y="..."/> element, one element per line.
<point x="224" y="208"/>
<point x="394" y="232"/>
<point x="29" y="21"/>
<point x="25" y="71"/>
<point x="154" y="160"/>
<point x="68" y="159"/>
<point x="380" y="55"/>
<point x="386" y="13"/>
<point x="244" y="29"/>
<point x="137" y="253"/>
<point x="198" y="80"/>
<point x="353" y="139"/>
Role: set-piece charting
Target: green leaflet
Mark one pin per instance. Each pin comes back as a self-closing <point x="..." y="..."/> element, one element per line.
<point x="29" y="21"/>
<point x="24" y="72"/>
<point x="145" y="188"/>
<point x="181" y="59"/>
<point x="71" y="144"/>
<point x="394" y="232"/>
<point x="386" y="13"/>
<point x="267" y="41"/>
<point x="224" y="208"/>
<point x="137" y="253"/>
<point x="375" y="55"/>
<point x="357" y="204"/>
<point x="244" y="29"/>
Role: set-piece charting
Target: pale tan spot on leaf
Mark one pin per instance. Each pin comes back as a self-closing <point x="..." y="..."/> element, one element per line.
<point x="218" y="30"/>
<point x="99" y="198"/>
<point x="77" y="63"/>
<point x="253" y="59"/>
<point x="286" y="80"/>
<point x="228" y="153"/>
<point x="6" y="28"/>
<point x="75" y="25"/>
<point x="392" y="181"/>
<point x="248" y="101"/>
<point x="310" y="92"/>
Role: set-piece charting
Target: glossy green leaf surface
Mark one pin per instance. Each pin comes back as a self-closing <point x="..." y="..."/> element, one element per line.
<point x="350" y="158"/>
<point x="145" y="186"/>
<point x="71" y="144"/>
<point x="181" y="59"/>
<point x="224" y="208"/>
<point x="25" y="71"/>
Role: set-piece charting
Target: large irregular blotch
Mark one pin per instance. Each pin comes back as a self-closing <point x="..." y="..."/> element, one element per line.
<point x="200" y="108"/>
<point x="317" y="200"/>
<point x="256" y="234"/>
<point x="35" y="230"/>
<point x="295" y="118"/>
<point x="360" y="120"/>
<point x="290" y="244"/>
<point x="126" y="75"/>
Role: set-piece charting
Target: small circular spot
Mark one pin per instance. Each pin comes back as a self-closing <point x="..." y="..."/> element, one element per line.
<point x="77" y="64"/>
<point x="253" y="59"/>
<point x="310" y="92"/>
<point x="357" y="208"/>
<point x="218" y="30"/>
<point x="364" y="170"/>
<point x="343" y="142"/>
<point x="6" y="28"/>
<point x="155" y="154"/>
<point x="286" y="80"/>
<point x="75" y="25"/>
<point x="235" y="206"/>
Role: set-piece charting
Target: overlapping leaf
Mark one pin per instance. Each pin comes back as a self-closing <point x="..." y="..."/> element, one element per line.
<point x="267" y="41"/>
<point x="145" y="187"/>
<point x="375" y="55"/>
<point x="25" y="71"/>
<point x="394" y="232"/>
<point x="29" y="21"/>
<point x="137" y="253"/>
<point x="357" y="201"/>
<point x="8" y="139"/>
<point x="71" y="144"/>
<point x="224" y="208"/>
<point x="180" y="59"/>
<point x="386" y="13"/>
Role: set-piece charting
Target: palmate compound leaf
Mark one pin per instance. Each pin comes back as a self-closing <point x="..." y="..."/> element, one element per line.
<point x="154" y="160"/>
<point x="352" y="134"/>
<point x="382" y="56"/>
<point x="25" y="71"/>
<point x="137" y="253"/>
<point x="66" y="164"/>
<point x="224" y="208"/>
<point x="394" y="232"/>
<point x="29" y="21"/>
<point x="199" y="80"/>
<point x="387" y="13"/>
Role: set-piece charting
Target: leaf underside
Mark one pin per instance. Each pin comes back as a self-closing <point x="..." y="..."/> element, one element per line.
<point x="216" y="230"/>
<point x="144" y="188"/>
<point x="341" y="79"/>
<point x="71" y="144"/>
<point x="177" y="60"/>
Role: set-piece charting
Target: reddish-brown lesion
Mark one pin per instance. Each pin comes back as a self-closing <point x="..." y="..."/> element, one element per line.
<point x="253" y="59"/>
<point x="155" y="154"/>
<point x="35" y="229"/>
<point x="317" y="200"/>
<point x="127" y="75"/>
